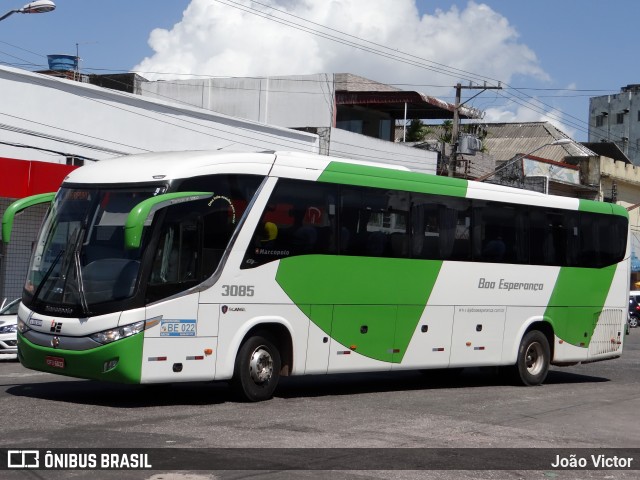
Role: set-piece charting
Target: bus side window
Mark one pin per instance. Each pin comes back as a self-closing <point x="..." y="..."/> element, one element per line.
<point x="500" y="233"/>
<point x="175" y="265"/>
<point x="176" y="256"/>
<point x="441" y="228"/>
<point x="298" y="220"/>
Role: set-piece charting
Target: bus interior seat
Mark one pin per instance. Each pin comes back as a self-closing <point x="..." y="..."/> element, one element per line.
<point x="400" y="245"/>
<point x="431" y="247"/>
<point x="304" y="239"/>
<point x="376" y="244"/>
<point x="461" y="250"/>
<point x="345" y="239"/>
<point x="109" y="279"/>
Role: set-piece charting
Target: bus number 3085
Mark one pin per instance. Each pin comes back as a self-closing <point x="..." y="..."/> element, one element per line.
<point x="237" y="290"/>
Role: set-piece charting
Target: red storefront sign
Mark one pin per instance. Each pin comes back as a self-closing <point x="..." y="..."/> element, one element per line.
<point x="22" y="178"/>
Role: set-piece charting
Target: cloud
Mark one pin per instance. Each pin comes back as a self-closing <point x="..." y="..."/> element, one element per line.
<point x="535" y="111"/>
<point x="243" y="38"/>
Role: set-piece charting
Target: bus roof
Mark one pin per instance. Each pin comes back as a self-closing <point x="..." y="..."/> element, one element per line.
<point x="152" y="167"/>
<point x="166" y="166"/>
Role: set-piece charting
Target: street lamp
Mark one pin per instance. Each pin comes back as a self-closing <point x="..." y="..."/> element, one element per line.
<point x="39" y="6"/>
<point x="562" y="141"/>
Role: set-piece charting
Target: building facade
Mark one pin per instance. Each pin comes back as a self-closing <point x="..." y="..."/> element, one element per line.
<point x="616" y="118"/>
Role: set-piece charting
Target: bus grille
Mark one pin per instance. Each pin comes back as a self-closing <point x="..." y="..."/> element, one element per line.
<point x="607" y="335"/>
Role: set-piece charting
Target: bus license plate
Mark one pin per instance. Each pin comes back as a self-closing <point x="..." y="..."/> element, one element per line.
<point x="55" y="362"/>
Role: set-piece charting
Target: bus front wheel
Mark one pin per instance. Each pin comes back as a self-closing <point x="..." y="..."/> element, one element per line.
<point x="257" y="369"/>
<point x="534" y="356"/>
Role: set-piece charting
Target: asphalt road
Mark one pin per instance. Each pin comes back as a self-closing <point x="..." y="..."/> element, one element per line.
<point x="586" y="406"/>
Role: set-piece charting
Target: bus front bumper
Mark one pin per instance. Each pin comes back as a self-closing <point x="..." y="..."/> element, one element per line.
<point x="120" y="361"/>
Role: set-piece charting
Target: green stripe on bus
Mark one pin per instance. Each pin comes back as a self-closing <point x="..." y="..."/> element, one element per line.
<point x="595" y="207"/>
<point x="366" y="176"/>
<point x="576" y="302"/>
<point x="603" y="207"/>
<point x="377" y="302"/>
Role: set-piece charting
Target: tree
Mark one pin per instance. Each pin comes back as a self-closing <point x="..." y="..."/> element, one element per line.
<point x="416" y="131"/>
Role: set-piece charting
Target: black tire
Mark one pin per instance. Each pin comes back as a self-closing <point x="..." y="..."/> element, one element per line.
<point x="257" y="369"/>
<point x="633" y="321"/>
<point x="534" y="357"/>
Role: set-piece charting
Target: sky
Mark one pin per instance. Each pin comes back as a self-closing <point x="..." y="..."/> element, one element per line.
<point x="548" y="56"/>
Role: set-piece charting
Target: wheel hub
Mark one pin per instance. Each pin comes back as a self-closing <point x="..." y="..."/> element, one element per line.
<point x="534" y="358"/>
<point x="261" y="365"/>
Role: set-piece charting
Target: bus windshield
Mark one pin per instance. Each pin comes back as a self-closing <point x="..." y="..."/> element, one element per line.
<point x="80" y="259"/>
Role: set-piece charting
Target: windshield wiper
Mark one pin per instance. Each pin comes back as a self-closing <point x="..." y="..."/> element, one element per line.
<point x="78" y="269"/>
<point x="48" y="273"/>
<point x="83" y="299"/>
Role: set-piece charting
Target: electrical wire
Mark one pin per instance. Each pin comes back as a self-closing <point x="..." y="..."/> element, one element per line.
<point x="521" y="98"/>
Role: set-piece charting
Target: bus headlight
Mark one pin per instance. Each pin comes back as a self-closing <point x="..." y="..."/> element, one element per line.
<point x="22" y="326"/>
<point x="118" y="333"/>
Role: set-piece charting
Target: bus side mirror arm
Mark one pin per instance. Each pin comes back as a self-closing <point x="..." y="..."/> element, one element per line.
<point x="19" y="205"/>
<point x="141" y="212"/>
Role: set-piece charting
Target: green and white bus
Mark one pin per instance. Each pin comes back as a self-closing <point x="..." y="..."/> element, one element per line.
<point x="200" y="266"/>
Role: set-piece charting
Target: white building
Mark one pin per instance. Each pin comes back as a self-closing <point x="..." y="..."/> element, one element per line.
<point x="354" y="117"/>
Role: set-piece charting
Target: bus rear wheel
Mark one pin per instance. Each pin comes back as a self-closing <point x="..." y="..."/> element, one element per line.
<point x="534" y="357"/>
<point x="257" y="369"/>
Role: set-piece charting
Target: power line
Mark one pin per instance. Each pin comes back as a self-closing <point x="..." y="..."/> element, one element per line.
<point x="521" y="98"/>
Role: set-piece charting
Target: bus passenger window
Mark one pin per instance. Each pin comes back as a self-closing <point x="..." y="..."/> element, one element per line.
<point x="300" y="219"/>
<point x="441" y="227"/>
<point x="176" y="255"/>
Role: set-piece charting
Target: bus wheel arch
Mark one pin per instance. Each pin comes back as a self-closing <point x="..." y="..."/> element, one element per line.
<point x="547" y="329"/>
<point x="534" y="354"/>
<point x="264" y="355"/>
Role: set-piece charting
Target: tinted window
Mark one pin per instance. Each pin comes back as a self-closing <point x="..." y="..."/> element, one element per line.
<point x="307" y="217"/>
<point x="194" y="235"/>
<point x="441" y="227"/>
<point x="374" y="222"/>
<point x="500" y="233"/>
<point x="300" y="219"/>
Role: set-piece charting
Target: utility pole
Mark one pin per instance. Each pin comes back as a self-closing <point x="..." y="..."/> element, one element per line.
<point x="454" y="132"/>
<point x="456" y="120"/>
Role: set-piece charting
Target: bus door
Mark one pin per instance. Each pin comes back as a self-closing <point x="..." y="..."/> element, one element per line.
<point x="183" y="342"/>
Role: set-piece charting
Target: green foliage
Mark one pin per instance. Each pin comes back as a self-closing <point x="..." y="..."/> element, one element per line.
<point x="416" y="131"/>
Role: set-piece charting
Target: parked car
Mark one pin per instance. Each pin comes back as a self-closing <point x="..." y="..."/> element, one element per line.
<point x="634" y="308"/>
<point x="8" y="328"/>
